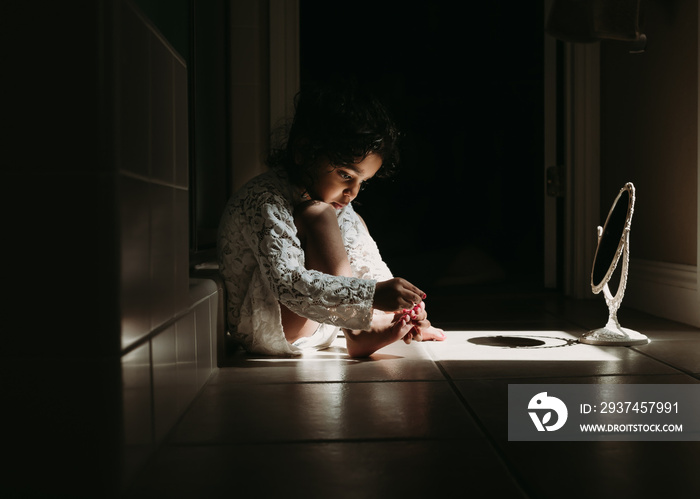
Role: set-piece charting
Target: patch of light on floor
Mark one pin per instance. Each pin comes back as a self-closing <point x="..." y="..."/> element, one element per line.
<point x="335" y="353"/>
<point x="549" y="346"/>
<point x="304" y="358"/>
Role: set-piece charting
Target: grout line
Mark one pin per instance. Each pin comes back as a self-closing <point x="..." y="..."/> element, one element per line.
<point x="157" y="446"/>
<point x="680" y="370"/>
<point x="572" y="376"/>
<point x="517" y="478"/>
<point x="332" y="381"/>
<point x="322" y="441"/>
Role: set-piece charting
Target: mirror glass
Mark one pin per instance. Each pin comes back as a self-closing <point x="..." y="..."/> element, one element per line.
<point x="611" y="242"/>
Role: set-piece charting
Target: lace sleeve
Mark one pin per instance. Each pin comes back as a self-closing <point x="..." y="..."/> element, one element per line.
<point x="341" y="301"/>
<point x="363" y="253"/>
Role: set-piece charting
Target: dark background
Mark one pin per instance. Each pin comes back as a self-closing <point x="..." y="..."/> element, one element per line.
<point x="465" y="85"/>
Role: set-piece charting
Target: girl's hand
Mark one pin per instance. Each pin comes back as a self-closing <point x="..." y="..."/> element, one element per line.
<point x="396" y="294"/>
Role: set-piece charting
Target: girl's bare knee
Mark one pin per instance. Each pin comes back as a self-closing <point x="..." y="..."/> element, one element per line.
<point x="314" y="215"/>
<point x="319" y="233"/>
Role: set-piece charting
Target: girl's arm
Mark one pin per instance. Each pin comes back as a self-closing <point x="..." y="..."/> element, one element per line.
<point x="342" y="301"/>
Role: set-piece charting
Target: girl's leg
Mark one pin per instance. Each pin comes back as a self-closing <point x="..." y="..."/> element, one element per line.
<point x="317" y="227"/>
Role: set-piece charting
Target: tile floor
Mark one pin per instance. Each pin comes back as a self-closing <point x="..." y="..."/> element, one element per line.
<point x="429" y="418"/>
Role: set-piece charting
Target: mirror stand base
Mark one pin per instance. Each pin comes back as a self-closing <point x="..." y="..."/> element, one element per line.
<point x="614" y="335"/>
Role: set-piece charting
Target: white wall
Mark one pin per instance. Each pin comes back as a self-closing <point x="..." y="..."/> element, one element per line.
<point x="649" y="136"/>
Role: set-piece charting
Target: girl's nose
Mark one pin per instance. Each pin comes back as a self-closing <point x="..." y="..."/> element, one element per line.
<point x="352" y="191"/>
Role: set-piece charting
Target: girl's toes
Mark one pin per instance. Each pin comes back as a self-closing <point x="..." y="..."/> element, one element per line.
<point x="433" y="333"/>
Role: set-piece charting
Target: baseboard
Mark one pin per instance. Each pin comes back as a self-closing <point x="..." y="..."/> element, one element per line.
<point x="666" y="290"/>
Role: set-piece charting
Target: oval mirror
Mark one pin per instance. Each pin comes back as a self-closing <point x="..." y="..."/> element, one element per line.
<point x="612" y="240"/>
<point x="613" y="244"/>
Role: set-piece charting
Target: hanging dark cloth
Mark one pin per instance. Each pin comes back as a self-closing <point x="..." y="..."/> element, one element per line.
<point x="594" y="20"/>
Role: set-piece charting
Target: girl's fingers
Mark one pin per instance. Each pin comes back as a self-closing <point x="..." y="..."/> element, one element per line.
<point x="416" y="296"/>
<point x="405" y="328"/>
<point x="417" y="336"/>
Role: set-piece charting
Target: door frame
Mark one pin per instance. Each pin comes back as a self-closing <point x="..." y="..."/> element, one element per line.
<point x="550" y="247"/>
<point x="575" y="86"/>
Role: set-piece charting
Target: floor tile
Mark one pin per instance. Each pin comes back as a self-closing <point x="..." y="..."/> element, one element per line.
<point x="587" y="314"/>
<point x="584" y="470"/>
<point x="683" y="354"/>
<point x="416" y="468"/>
<point x="587" y="469"/>
<point x="325" y="411"/>
<point x="657" y="328"/>
<point x="393" y="362"/>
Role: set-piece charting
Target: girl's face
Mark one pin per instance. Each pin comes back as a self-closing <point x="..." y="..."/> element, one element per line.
<point x="339" y="185"/>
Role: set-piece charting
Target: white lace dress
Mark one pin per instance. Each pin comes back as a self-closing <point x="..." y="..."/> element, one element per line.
<point x="262" y="263"/>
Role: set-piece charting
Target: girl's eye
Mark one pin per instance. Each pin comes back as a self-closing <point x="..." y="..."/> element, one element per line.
<point x="344" y="176"/>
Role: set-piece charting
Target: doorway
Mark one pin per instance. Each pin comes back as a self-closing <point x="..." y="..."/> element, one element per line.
<point x="466" y="87"/>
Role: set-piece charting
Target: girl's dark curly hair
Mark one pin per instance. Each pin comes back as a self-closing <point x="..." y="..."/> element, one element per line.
<point x="340" y="122"/>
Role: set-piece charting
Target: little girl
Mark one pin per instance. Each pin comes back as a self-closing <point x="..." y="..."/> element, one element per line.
<point x="297" y="260"/>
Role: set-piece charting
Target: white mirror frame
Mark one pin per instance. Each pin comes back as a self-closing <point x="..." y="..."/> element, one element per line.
<point x="613" y="334"/>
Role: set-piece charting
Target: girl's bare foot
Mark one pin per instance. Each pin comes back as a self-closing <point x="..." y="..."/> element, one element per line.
<point x="432" y="334"/>
<point x="386" y="329"/>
